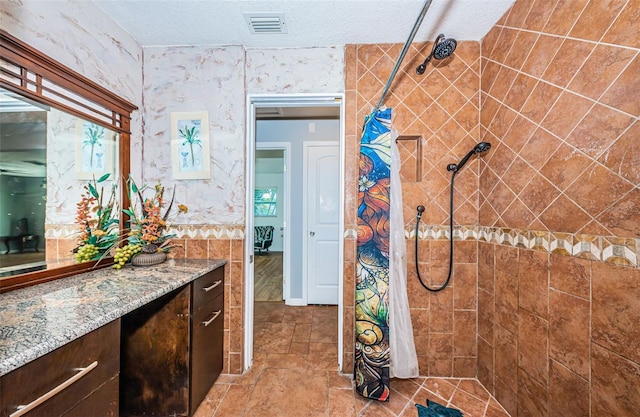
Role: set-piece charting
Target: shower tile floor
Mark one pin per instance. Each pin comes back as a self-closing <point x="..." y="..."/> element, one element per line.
<point x="293" y="374"/>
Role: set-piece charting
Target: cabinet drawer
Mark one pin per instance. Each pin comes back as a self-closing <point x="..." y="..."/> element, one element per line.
<point x="75" y="359"/>
<point x="207" y="340"/>
<point x="207" y="288"/>
<point x="103" y="402"/>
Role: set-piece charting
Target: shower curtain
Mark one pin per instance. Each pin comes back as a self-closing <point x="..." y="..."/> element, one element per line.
<point x="376" y="289"/>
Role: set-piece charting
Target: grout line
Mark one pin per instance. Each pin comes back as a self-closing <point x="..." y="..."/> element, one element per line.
<point x="539" y="79"/>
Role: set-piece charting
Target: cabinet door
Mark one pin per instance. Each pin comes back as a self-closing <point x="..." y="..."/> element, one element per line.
<point x="68" y="374"/>
<point x="154" y="376"/>
<point x="206" y="359"/>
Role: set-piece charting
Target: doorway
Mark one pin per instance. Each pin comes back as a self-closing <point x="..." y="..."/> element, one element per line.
<point x="271" y="216"/>
<point x="310" y="112"/>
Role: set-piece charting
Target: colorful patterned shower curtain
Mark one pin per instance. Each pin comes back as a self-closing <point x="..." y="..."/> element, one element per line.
<point x="371" y="368"/>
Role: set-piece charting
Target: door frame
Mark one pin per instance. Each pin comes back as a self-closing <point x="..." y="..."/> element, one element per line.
<point x="286" y="241"/>
<point x="291" y="100"/>
<point x="305" y="212"/>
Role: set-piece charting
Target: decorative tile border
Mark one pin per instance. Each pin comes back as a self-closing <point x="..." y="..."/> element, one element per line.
<point x="199" y="231"/>
<point x="616" y="250"/>
<point x="608" y="249"/>
<point x="60" y="231"/>
<point x="208" y="231"/>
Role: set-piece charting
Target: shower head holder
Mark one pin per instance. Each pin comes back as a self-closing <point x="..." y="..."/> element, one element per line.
<point x="442" y="48"/>
<point x="481" y="147"/>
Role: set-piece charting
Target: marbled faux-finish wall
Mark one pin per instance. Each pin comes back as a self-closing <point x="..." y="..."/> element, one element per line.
<point x="440" y="108"/>
<point x="218" y="80"/>
<point x="295" y="70"/>
<point x="81" y="36"/>
<point x="559" y="277"/>
<point x="196" y="79"/>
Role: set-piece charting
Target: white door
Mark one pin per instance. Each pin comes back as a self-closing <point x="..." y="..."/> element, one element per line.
<point x="322" y="166"/>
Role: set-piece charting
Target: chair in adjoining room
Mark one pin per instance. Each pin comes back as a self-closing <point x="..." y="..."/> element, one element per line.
<point x="262" y="238"/>
<point x="23" y="237"/>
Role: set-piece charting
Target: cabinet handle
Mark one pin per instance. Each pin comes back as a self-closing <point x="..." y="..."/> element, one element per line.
<point x="23" y="409"/>
<point x="215" y="284"/>
<point x="206" y="323"/>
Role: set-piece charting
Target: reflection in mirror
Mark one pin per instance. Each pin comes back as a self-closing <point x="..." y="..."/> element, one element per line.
<point x="47" y="157"/>
<point x="76" y="149"/>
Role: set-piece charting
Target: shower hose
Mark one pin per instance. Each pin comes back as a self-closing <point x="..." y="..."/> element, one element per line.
<point x="420" y="210"/>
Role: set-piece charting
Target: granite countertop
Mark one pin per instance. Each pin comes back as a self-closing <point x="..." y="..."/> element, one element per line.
<point x="39" y="319"/>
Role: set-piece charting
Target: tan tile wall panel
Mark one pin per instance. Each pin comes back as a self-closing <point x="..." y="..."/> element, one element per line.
<point x="232" y="249"/>
<point x="547" y="324"/>
<point x="441" y="107"/>
<point x="558" y="283"/>
<point x="560" y="105"/>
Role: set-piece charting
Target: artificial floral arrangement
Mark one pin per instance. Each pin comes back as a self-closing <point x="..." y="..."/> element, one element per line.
<point x="148" y="223"/>
<point x="99" y="230"/>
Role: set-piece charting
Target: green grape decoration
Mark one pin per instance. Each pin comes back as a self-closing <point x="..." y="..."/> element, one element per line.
<point x="124" y="254"/>
<point x="86" y="252"/>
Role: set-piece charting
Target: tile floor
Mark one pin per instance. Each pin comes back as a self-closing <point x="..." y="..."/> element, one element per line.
<point x="293" y="374"/>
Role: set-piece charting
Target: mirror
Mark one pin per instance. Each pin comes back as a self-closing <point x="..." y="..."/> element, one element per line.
<point x="58" y="131"/>
<point x="46" y="158"/>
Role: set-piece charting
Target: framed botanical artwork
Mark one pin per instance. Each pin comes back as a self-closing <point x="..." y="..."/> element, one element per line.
<point x="95" y="147"/>
<point x="190" y="145"/>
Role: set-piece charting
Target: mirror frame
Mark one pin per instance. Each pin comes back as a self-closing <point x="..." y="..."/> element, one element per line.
<point x="40" y="78"/>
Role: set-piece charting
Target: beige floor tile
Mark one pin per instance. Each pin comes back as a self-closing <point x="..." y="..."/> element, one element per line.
<point x="341" y="403"/>
<point x="235" y="401"/>
<point x="294" y="373"/>
<point x="288" y="392"/>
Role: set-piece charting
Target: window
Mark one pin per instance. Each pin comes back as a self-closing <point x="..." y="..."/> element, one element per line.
<point x="265" y="202"/>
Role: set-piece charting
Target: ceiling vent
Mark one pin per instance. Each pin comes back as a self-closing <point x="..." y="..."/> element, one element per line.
<point x="265" y="22"/>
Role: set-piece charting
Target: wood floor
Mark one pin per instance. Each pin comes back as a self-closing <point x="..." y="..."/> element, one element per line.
<point x="267" y="276"/>
<point x="16" y="258"/>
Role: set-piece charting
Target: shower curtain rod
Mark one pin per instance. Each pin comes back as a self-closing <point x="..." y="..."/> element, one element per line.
<point x="416" y="25"/>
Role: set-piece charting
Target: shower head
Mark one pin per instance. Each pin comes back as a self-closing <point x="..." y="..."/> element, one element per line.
<point x="420" y="211"/>
<point x="481" y="147"/>
<point x="442" y="48"/>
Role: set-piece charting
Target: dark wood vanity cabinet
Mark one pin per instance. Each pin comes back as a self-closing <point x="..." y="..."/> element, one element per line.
<point x="207" y="326"/>
<point x="172" y="350"/>
<point x="77" y="379"/>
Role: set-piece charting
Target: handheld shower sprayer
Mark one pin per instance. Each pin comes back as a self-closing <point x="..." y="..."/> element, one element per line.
<point x="479" y="148"/>
<point x="442" y="48"/>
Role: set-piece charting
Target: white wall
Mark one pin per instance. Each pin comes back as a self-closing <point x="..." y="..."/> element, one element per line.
<point x="296" y="132"/>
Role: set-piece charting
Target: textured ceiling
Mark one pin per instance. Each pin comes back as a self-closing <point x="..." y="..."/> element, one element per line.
<point x="308" y="23"/>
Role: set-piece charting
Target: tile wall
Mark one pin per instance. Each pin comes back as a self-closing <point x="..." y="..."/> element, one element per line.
<point x="440" y="108"/>
<point x="221" y="242"/>
<point x="547" y="257"/>
<point x="558" y="277"/>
